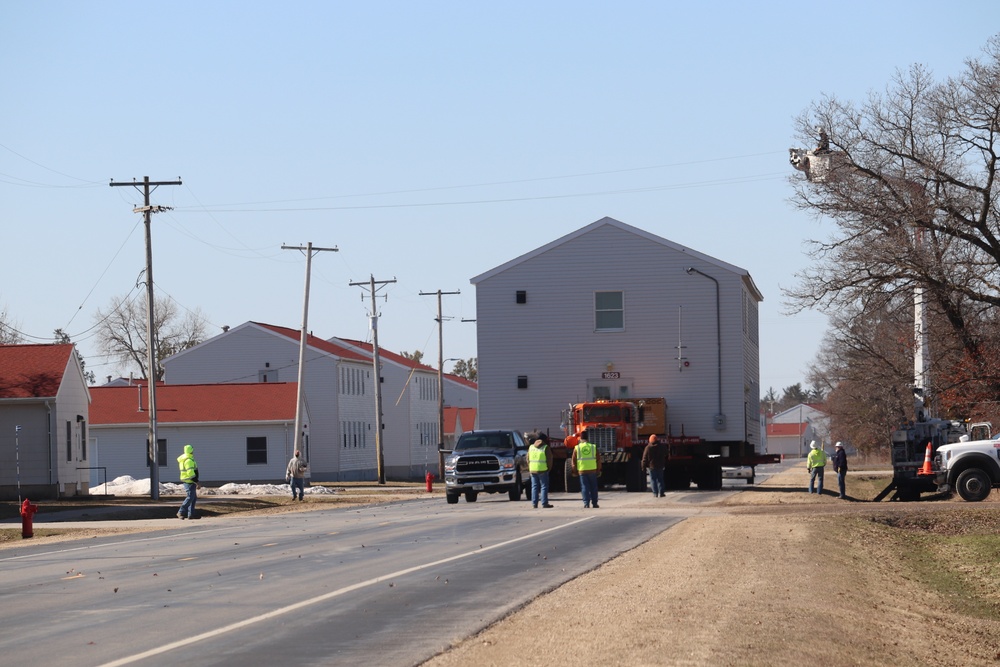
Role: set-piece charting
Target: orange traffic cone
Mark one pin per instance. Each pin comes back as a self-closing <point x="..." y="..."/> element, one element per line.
<point x="927" y="469"/>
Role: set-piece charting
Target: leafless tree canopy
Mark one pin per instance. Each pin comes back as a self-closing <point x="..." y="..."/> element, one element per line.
<point x="912" y="191"/>
<point x="122" y="331"/>
<point x="8" y="329"/>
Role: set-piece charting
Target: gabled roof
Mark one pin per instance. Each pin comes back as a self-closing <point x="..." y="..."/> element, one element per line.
<point x="315" y="342"/>
<point x="191" y="403"/>
<point x="611" y="222"/>
<point x="33" y="371"/>
<point x="385" y="354"/>
<point x="787" y="429"/>
<point x="459" y="420"/>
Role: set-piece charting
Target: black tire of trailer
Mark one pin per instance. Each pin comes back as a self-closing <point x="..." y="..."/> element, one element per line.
<point x="709" y="477"/>
<point x="635" y="476"/>
<point x="556" y="481"/>
<point x="571" y="482"/>
<point x="973" y="485"/>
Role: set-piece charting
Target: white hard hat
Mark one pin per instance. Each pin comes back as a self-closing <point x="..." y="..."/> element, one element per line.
<point x="839" y="444"/>
<point x="813" y="445"/>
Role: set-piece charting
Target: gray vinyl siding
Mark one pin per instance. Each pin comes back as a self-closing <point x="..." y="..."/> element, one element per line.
<point x="219" y="449"/>
<point x="551" y="338"/>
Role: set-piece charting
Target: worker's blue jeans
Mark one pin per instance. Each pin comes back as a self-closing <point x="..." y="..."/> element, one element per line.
<point x="187" y="507"/>
<point x="539" y="488"/>
<point x="588" y="488"/>
<point x="656" y="481"/>
<point x="816" y="472"/>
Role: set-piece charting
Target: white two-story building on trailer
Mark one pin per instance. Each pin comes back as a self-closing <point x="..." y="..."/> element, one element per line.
<point x="612" y="311"/>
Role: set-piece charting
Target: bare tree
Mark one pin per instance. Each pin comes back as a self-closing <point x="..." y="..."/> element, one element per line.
<point x="909" y="179"/>
<point x="9" y="335"/>
<point x="121" y="332"/>
<point x="416" y="356"/>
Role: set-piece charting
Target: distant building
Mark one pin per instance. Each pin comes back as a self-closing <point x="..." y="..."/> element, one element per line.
<point x="240" y="432"/>
<point x="612" y="311"/>
<point x="790" y="431"/>
<point x="44" y="413"/>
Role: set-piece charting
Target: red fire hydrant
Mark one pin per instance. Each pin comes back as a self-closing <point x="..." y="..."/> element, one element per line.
<point x="28" y="510"/>
<point x="430" y="482"/>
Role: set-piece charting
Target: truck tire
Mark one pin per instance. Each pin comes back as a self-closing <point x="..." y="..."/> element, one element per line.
<point x="973" y="485"/>
<point x="572" y="481"/>
<point x="470" y="496"/>
<point x="556" y="481"/>
<point x="710" y="478"/>
<point x="635" y="478"/>
<point x="452" y="498"/>
<point x="514" y="493"/>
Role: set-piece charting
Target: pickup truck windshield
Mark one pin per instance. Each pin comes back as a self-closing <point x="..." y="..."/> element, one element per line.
<point x="486" y="441"/>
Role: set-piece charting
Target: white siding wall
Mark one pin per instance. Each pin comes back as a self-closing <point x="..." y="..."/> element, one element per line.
<point x="356" y="439"/>
<point x="551" y="338"/>
<point x="71" y="401"/>
<point x="219" y="449"/>
<point x="423" y="419"/>
<point x="245" y="352"/>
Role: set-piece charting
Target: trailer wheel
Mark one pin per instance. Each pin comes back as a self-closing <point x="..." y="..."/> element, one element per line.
<point x="452" y="498"/>
<point x="710" y="478"/>
<point x="973" y="485"/>
<point x="556" y="481"/>
<point x="470" y="496"/>
<point x="572" y="482"/>
<point x="635" y="479"/>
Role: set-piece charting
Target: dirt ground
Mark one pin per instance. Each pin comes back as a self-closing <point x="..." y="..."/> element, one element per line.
<point x="779" y="578"/>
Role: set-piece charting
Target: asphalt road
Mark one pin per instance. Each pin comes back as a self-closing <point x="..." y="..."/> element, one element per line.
<point x="388" y="585"/>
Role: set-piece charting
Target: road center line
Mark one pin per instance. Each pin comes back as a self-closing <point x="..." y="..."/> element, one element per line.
<point x="326" y="596"/>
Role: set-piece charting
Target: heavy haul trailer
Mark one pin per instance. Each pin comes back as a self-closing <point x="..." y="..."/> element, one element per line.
<point x="621" y="429"/>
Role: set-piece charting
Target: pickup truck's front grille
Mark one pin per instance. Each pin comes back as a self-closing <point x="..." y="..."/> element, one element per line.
<point x="472" y="464"/>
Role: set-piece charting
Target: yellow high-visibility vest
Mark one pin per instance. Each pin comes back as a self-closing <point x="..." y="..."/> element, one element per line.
<point x="537" y="461"/>
<point x="586" y="456"/>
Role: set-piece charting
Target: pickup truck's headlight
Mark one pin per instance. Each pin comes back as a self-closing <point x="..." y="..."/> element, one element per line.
<point x="507" y="462"/>
<point x="449" y="463"/>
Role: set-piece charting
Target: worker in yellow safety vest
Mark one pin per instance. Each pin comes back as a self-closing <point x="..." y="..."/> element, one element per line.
<point x="188" y="468"/>
<point x="815" y="463"/>
<point x="587" y="464"/>
<point x="539" y="465"/>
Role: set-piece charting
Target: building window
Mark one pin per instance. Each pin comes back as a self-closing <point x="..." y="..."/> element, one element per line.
<point x="83" y="441"/>
<point x="161" y="454"/>
<point x="256" y="450"/>
<point x="520" y="296"/>
<point x="69" y="441"/>
<point x="609" y="311"/>
<point x="522" y="381"/>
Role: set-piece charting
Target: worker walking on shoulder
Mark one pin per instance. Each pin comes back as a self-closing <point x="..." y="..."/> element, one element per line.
<point x="539" y="465"/>
<point x="189" y="478"/>
<point x="815" y="463"/>
<point x="587" y="464"/>
<point x="654" y="459"/>
<point x="840" y="467"/>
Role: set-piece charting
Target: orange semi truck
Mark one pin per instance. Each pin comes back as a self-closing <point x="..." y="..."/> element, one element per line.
<point x="621" y="430"/>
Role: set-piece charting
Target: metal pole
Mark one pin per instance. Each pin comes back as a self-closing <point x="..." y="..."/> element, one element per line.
<point x="440" y="321"/>
<point x="379" y="454"/>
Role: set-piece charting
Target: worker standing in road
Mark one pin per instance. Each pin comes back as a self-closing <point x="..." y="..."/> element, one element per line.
<point x="587" y="464"/>
<point x="815" y="463"/>
<point x="539" y="465"/>
<point x="295" y="474"/>
<point x="189" y="478"/>
<point x="840" y="466"/>
<point x="654" y="459"/>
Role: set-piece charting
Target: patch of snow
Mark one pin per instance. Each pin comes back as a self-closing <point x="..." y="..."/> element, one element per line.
<point x="129" y="486"/>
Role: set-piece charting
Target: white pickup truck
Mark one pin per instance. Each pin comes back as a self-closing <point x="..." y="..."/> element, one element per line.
<point x="971" y="467"/>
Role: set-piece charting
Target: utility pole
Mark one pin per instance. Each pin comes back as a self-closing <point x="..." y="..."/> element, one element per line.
<point x="440" y="321"/>
<point x="309" y="251"/>
<point x="373" y="286"/>
<point x="147" y="210"/>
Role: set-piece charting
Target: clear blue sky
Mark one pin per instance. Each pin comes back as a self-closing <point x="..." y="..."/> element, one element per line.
<point x="429" y="142"/>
